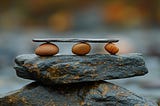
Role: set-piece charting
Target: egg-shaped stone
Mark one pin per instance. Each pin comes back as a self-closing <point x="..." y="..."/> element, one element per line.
<point x="111" y="48"/>
<point x="47" y="49"/>
<point x="81" y="48"/>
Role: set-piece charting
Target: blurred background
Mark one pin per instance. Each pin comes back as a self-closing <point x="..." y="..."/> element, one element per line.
<point x="135" y="22"/>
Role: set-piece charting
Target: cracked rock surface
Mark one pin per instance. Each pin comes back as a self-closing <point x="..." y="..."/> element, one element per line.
<point x="62" y="69"/>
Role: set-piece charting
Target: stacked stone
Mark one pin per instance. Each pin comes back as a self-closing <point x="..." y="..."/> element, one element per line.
<point x="71" y="80"/>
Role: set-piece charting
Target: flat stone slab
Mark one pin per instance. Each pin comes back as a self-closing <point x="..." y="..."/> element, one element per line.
<point x="73" y="68"/>
<point x="80" y="94"/>
<point x="75" y="40"/>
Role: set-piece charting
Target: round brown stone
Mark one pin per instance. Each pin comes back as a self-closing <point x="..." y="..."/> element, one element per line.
<point x="47" y="49"/>
<point x="111" y="48"/>
<point x="81" y="48"/>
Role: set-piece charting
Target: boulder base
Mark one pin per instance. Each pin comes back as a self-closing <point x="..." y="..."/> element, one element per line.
<point x="79" y="94"/>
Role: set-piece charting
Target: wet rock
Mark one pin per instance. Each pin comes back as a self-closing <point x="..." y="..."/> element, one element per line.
<point x="73" y="68"/>
<point x="79" y="94"/>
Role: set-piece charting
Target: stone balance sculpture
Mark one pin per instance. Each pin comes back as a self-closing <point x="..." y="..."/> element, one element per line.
<point x="76" y="80"/>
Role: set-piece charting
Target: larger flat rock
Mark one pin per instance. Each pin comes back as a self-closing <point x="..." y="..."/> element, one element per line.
<point x="73" y="68"/>
<point x="79" y="94"/>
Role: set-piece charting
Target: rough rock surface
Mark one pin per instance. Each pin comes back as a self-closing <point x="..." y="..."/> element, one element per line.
<point x="73" y="69"/>
<point x="79" y="94"/>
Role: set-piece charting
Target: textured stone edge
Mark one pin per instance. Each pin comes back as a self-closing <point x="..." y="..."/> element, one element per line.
<point x="36" y="74"/>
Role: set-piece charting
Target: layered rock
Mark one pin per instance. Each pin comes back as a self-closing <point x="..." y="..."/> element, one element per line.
<point x="98" y="93"/>
<point x="71" y="80"/>
<point x="74" y="69"/>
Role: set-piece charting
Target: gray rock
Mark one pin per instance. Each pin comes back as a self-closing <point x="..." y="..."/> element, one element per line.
<point x="79" y="94"/>
<point x="72" y="68"/>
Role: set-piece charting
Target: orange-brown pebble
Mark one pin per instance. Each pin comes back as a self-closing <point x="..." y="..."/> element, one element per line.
<point x="47" y="49"/>
<point x="81" y="48"/>
<point x="111" y="48"/>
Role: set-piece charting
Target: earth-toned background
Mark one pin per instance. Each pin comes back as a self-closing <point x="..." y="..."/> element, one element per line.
<point x="135" y="23"/>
